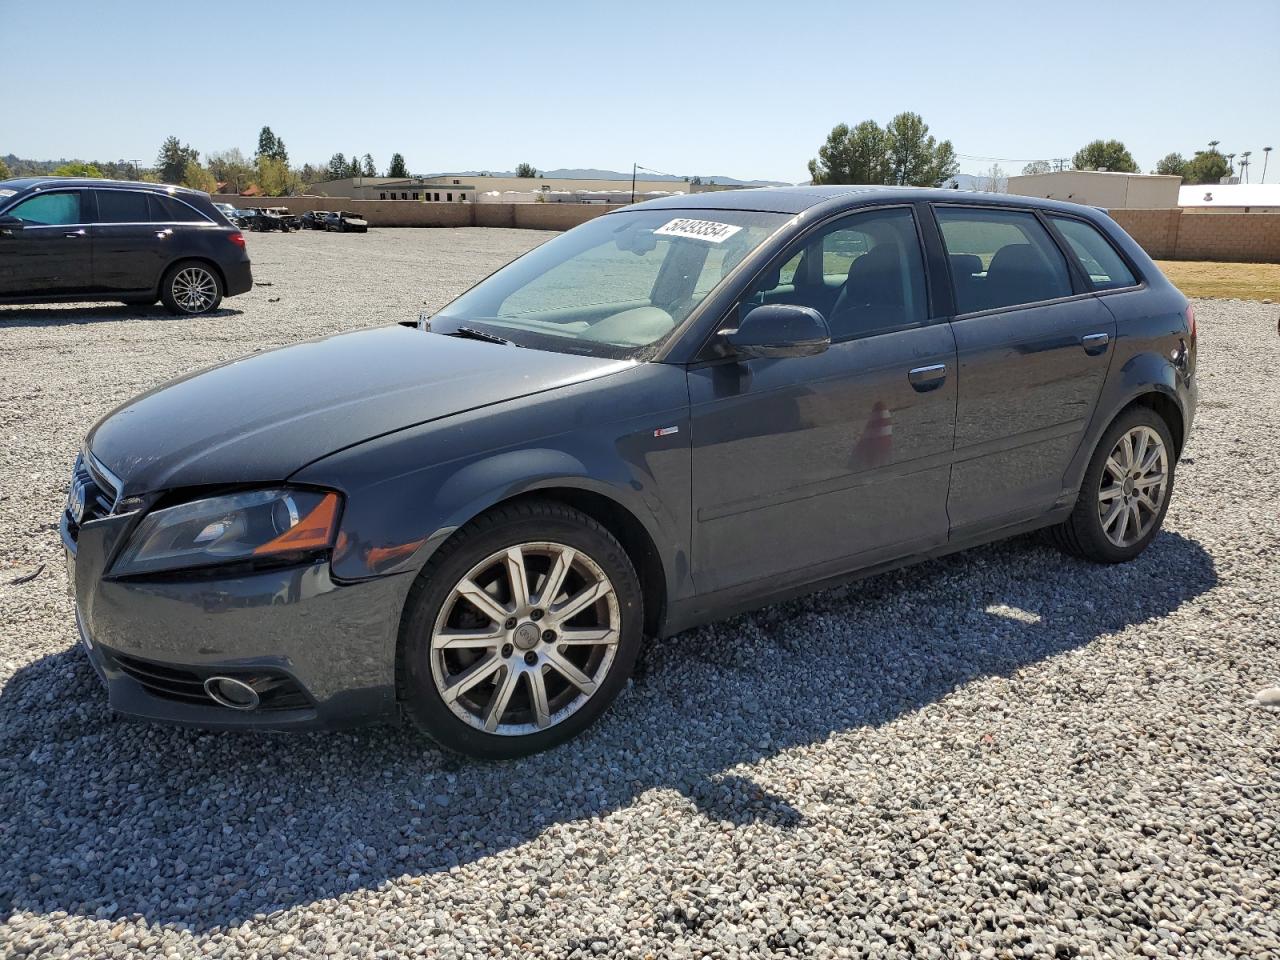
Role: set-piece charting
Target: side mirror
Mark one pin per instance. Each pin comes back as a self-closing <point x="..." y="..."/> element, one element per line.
<point x="780" y="330"/>
<point x="9" y="224"/>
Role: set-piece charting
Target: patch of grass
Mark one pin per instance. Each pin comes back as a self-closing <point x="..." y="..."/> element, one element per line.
<point x="1245" y="281"/>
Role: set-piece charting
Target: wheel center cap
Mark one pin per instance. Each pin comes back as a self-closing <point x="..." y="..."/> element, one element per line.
<point x="1128" y="486"/>
<point x="526" y="636"/>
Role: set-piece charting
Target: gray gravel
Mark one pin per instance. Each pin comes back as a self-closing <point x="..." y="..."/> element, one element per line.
<point x="1005" y="753"/>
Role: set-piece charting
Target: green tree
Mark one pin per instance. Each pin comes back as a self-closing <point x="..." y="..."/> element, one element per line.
<point x="397" y="167"/>
<point x="354" y="169"/>
<point x="1207" y="166"/>
<point x="275" y="179"/>
<point x="858" y="155"/>
<point x="199" y="178"/>
<point x="1173" y="165"/>
<point x="1108" y="155"/>
<point x="77" y="168"/>
<point x="1035" y="167"/>
<point x="526" y="170"/>
<point x="368" y="169"/>
<point x="231" y="167"/>
<point x="271" y="147"/>
<point x="5" y="172"/>
<point x="338" y="166"/>
<point x="173" y="159"/>
<point x="916" y="159"/>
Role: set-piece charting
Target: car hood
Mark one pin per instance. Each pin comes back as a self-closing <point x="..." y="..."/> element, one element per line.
<point x="260" y="419"/>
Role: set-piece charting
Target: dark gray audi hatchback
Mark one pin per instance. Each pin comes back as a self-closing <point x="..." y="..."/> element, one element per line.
<point x="674" y="412"/>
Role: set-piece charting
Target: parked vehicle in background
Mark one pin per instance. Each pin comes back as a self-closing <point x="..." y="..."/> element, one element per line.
<point x="259" y="220"/>
<point x="664" y="416"/>
<point x="313" y="220"/>
<point x="344" y="222"/>
<point x="291" y="220"/>
<point x="227" y="210"/>
<point x="65" y="239"/>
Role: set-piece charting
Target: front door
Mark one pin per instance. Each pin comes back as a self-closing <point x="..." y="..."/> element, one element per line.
<point x="51" y="253"/>
<point x="807" y="465"/>
<point x="1033" y="351"/>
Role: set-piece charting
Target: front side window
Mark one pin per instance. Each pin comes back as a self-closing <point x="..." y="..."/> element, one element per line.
<point x="1105" y="268"/>
<point x="49" y="209"/>
<point x="1000" y="258"/>
<point x="122" y="206"/>
<point x="617" y="286"/>
<point x="865" y="274"/>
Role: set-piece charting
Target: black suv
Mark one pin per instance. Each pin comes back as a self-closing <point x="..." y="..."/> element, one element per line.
<point x="64" y="239"/>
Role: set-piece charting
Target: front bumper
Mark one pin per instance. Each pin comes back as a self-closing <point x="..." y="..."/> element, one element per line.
<point x="325" y="650"/>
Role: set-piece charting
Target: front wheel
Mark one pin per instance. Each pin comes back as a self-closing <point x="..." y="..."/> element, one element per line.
<point x="191" y="288"/>
<point x="1125" y="492"/>
<point x="520" y="633"/>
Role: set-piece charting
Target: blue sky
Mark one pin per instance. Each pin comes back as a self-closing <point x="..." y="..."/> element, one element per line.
<point x="741" y="89"/>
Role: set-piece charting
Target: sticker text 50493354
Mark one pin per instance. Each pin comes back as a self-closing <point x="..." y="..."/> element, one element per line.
<point x="708" y="230"/>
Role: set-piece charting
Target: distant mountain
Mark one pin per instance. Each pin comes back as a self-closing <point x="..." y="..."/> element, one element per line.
<point x="590" y="173"/>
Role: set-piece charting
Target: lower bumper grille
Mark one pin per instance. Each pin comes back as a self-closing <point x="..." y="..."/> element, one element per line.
<point x="276" y="691"/>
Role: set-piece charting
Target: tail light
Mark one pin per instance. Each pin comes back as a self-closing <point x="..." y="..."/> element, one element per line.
<point x="237" y="238"/>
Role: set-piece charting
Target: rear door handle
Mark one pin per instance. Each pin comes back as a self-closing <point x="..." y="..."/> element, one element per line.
<point x="1095" y="343"/>
<point x="928" y="378"/>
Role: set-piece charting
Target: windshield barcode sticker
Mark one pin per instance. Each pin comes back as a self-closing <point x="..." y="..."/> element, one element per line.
<point x="707" y="230"/>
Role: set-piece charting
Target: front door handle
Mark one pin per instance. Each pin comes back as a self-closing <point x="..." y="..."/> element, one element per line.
<point x="928" y="378"/>
<point x="1095" y="343"/>
<point x="75" y="234"/>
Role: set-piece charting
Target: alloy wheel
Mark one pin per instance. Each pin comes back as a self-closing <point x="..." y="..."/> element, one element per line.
<point x="525" y="639"/>
<point x="1133" y="486"/>
<point x="194" y="289"/>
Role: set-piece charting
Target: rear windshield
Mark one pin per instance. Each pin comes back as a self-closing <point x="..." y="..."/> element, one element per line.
<point x="616" y="286"/>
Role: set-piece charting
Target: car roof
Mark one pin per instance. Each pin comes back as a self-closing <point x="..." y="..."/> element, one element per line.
<point x="799" y="199"/>
<point x="26" y="183"/>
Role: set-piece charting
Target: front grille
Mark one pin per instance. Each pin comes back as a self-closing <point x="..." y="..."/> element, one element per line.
<point x="98" y="490"/>
<point x="276" y="691"/>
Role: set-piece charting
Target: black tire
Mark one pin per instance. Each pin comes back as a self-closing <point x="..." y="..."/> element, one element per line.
<point x="175" y="288"/>
<point x="1082" y="532"/>
<point x="501" y="528"/>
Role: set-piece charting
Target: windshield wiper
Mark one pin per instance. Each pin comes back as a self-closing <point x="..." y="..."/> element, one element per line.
<point x="475" y="334"/>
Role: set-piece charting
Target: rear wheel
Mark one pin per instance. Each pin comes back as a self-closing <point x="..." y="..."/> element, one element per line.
<point x="520" y="633"/>
<point x="1125" y="492"/>
<point x="191" y="288"/>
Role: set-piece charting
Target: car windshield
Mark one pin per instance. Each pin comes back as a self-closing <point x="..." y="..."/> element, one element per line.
<point x="617" y="286"/>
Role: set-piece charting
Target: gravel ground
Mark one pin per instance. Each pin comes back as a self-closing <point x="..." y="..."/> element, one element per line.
<point x="1004" y="753"/>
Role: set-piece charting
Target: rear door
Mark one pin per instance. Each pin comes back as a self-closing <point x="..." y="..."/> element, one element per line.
<point x="1033" y="346"/>
<point x="129" y="249"/>
<point x="52" y="253"/>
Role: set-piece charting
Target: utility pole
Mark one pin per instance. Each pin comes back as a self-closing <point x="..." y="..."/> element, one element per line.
<point x="1266" y="155"/>
<point x="1244" y="164"/>
<point x="132" y="163"/>
<point x="633" y="182"/>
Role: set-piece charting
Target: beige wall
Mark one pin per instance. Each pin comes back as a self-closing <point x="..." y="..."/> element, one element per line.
<point x="1175" y="235"/>
<point x="1110" y="190"/>
<point x="370" y="187"/>
<point x="1167" y="234"/>
<point x="407" y="213"/>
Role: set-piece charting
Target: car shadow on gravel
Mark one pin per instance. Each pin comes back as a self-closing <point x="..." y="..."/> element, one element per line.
<point x="53" y="315"/>
<point x="109" y="818"/>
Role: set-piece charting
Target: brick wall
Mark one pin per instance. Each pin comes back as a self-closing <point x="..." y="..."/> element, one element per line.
<point x="409" y="213"/>
<point x="1175" y="235"/>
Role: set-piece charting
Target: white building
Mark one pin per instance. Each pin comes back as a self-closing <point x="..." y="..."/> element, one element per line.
<point x="1230" y="197"/>
<point x="1099" y="188"/>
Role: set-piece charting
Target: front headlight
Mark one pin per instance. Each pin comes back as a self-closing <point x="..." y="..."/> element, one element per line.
<point x="238" y="526"/>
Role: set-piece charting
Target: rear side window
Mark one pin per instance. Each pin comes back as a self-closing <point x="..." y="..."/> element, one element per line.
<point x="1106" y="269"/>
<point x="121" y="206"/>
<point x="49" y="209"/>
<point x="1000" y="258"/>
<point x="168" y="210"/>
